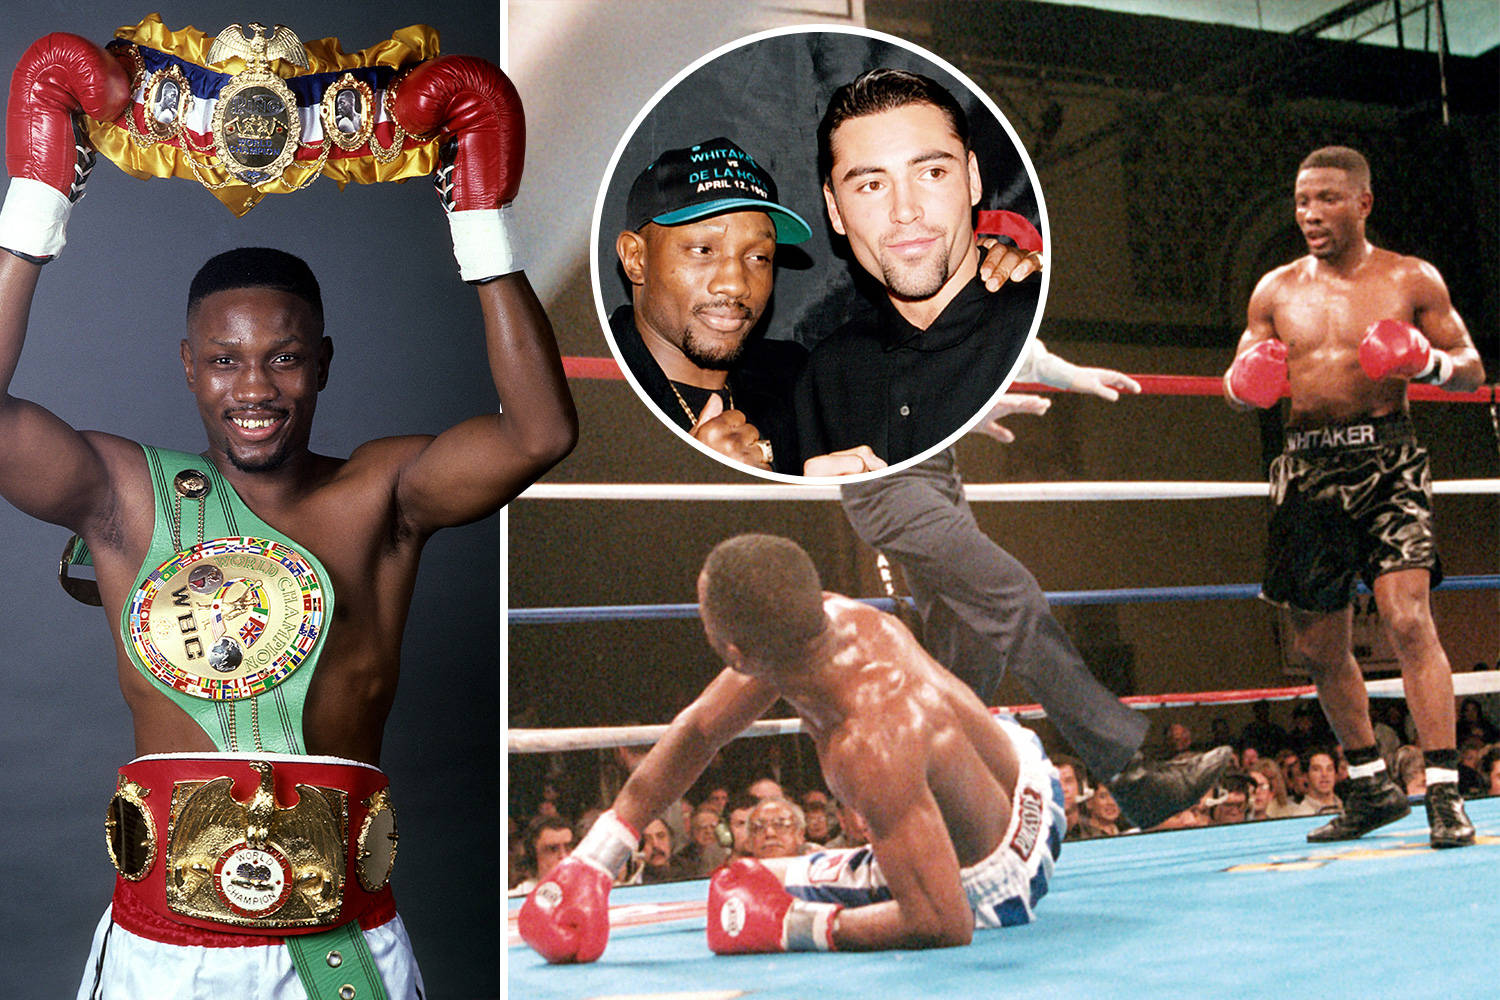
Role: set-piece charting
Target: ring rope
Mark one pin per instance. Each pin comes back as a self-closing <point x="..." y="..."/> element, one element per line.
<point x="1120" y="595"/>
<point x="1151" y="385"/>
<point x="604" y="737"/>
<point x="988" y="492"/>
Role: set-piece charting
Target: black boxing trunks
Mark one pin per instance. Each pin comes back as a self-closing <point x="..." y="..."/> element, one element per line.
<point x="1350" y="500"/>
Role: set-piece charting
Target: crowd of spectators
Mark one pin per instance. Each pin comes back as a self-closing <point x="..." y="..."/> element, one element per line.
<point x="1279" y="772"/>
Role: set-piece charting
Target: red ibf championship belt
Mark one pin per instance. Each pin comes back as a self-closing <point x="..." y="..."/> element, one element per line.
<point x="248" y="115"/>
<point x="258" y="844"/>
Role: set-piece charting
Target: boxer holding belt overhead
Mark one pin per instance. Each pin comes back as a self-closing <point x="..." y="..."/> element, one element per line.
<point x="255" y="835"/>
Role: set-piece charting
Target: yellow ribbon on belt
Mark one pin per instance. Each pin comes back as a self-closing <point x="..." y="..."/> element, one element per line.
<point x="256" y="121"/>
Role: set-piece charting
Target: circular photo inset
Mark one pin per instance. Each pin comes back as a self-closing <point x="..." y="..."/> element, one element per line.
<point x="818" y="253"/>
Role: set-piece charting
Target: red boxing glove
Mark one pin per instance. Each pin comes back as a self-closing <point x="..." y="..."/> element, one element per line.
<point x="566" y="917"/>
<point x="750" y="912"/>
<point x="46" y="147"/>
<point x="1393" y="348"/>
<point x="474" y="109"/>
<point x="1258" y="376"/>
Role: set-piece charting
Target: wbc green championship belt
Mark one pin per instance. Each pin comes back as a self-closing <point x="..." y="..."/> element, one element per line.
<point x="227" y="615"/>
<point x="254" y="111"/>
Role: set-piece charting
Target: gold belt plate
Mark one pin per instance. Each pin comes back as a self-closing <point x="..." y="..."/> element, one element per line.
<point x="229" y="618"/>
<point x="257" y="863"/>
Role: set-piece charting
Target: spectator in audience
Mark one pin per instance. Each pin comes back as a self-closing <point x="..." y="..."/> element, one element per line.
<point x="1489" y="768"/>
<point x="1260" y="795"/>
<point x="1387" y="727"/>
<point x="853" y="832"/>
<point x="1309" y="729"/>
<point x="1101" y="815"/>
<point x="1409" y="770"/>
<point x="1070" y="773"/>
<point x="777" y="829"/>
<point x="739" y="808"/>
<point x="1322" y="773"/>
<point x="546" y="841"/>
<point x="1294" y="777"/>
<point x="1473" y="724"/>
<point x="1249" y="757"/>
<point x="1262" y="733"/>
<point x="703" y="853"/>
<point x="1179" y="740"/>
<point x="659" y="861"/>
<point x="1280" y="804"/>
<point x="1470" y="782"/>
<point x="766" y="788"/>
<point x="819" y="828"/>
<point x="1230" y="802"/>
<point x="716" y="799"/>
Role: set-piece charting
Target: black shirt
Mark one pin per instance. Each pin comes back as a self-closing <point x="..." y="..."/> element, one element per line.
<point x="880" y="381"/>
<point x="760" y="386"/>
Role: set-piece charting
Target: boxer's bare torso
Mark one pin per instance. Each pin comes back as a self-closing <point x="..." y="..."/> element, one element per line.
<point x="892" y="728"/>
<point x="255" y="364"/>
<point x="1321" y="305"/>
<point x="1321" y="310"/>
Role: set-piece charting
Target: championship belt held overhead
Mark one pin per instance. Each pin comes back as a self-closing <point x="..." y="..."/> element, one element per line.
<point x="256" y="111"/>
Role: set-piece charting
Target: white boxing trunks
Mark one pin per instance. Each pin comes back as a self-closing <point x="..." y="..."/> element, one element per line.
<point x="1003" y="889"/>
<point x="126" y="966"/>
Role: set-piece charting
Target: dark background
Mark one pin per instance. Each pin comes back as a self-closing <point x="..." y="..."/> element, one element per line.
<point x="102" y="353"/>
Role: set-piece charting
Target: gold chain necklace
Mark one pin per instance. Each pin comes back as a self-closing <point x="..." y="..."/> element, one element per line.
<point x="693" y="417"/>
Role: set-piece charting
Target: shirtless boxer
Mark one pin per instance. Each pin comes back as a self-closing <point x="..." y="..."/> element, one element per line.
<point x="964" y="811"/>
<point x="223" y="855"/>
<point x="1342" y="331"/>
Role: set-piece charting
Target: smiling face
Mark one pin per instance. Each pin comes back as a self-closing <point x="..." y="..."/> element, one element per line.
<point x="700" y="288"/>
<point x="1331" y="208"/>
<point x="902" y="188"/>
<point x="255" y="360"/>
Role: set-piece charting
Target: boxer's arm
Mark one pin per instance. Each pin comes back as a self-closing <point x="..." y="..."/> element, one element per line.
<point x="1444" y="329"/>
<point x="1259" y="328"/>
<point x="928" y="908"/>
<point x="47" y="469"/>
<point x="471" y="470"/>
<point x="730" y="703"/>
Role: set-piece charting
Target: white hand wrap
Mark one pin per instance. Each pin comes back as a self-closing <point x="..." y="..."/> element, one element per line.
<point x="1439" y="369"/>
<point x="608" y="844"/>
<point x="481" y="243"/>
<point x="34" y="220"/>
<point x="1048" y="369"/>
<point x="808" y="926"/>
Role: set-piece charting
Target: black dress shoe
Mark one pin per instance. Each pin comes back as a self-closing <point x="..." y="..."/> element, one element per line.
<point x="1150" y="792"/>
<point x="1371" y="802"/>
<point x="1447" y="822"/>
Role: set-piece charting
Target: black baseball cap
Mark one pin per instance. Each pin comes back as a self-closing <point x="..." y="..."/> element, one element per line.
<point x="710" y="178"/>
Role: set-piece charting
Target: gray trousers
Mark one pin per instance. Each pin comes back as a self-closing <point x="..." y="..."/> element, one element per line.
<point x="983" y="612"/>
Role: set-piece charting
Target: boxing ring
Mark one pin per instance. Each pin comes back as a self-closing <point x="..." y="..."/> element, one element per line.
<point x="1226" y="911"/>
<point x="1238" y="912"/>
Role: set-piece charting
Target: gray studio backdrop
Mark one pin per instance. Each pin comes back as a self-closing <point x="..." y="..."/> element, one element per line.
<point x="102" y="353"/>
<point x="769" y="96"/>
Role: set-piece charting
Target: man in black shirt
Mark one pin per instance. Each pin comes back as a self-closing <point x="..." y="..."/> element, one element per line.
<point x="901" y="183"/>
<point x="702" y="227"/>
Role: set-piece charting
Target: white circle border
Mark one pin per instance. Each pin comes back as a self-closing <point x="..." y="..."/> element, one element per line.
<point x="803" y="29"/>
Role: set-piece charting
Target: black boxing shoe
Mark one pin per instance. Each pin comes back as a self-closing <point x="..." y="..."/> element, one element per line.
<point x="1150" y="792"/>
<point x="1447" y="823"/>
<point x="1372" y="802"/>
